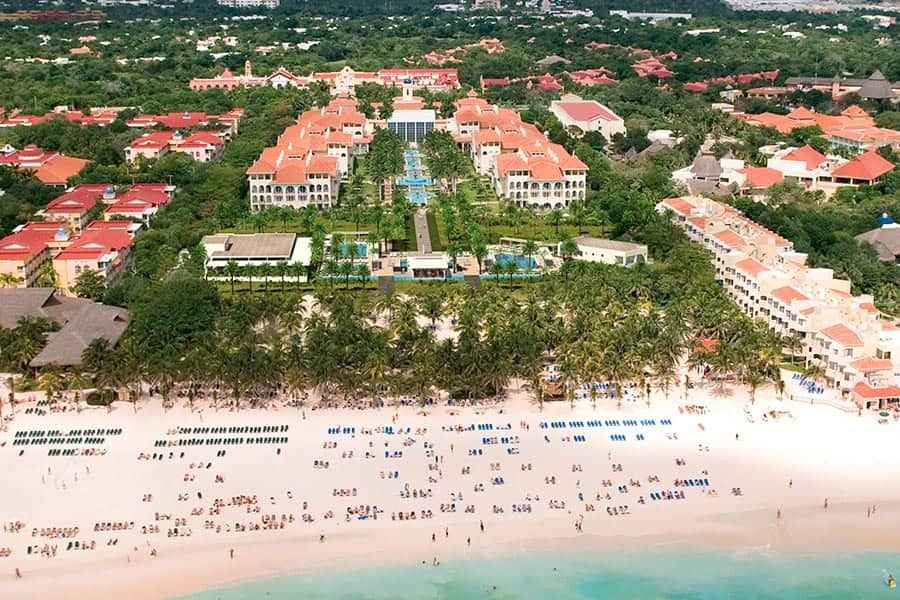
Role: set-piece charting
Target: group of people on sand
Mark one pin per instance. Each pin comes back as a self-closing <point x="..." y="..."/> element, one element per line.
<point x="397" y="460"/>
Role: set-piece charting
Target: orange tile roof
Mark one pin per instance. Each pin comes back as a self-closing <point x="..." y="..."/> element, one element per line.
<point x="867" y="166"/>
<point x="854" y="112"/>
<point x="788" y="294"/>
<point x="867" y="391"/>
<point x="27" y="242"/>
<point x="731" y="239"/>
<point x="870" y="363"/>
<point x="751" y="266"/>
<point x="808" y="155"/>
<point x="842" y="334"/>
<point x="761" y="177"/>
<point x="679" y="205"/>
<point x="60" y="169"/>
<point x="801" y="113"/>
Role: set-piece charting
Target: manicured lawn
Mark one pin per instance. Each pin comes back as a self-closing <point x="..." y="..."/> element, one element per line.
<point x="437" y="242"/>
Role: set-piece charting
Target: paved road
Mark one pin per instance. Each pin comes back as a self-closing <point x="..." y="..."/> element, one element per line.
<point x="423" y="240"/>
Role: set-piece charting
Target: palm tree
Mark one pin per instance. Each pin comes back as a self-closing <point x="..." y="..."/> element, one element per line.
<point x="79" y="382"/>
<point x="51" y="382"/>
<point x="280" y="269"/>
<point x="249" y="271"/>
<point x="9" y="280"/>
<point x="232" y="270"/>
<point x="295" y="380"/>
<point x="345" y="270"/>
<point x="363" y="272"/>
<point x="814" y="371"/>
<point x="497" y="270"/>
<point x="568" y="248"/>
<point x="331" y="270"/>
<point x="47" y="276"/>
<point x="530" y="248"/>
<point x="431" y="306"/>
<point x="555" y="216"/>
<point x="296" y="270"/>
<point x="511" y="268"/>
<point x="265" y="271"/>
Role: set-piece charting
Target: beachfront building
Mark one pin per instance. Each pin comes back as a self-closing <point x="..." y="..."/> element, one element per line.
<point x="524" y="165"/>
<point x="254" y="250"/>
<point x="609" y="252"/>
<point x="81" y="322"/>
<point x="306" y="164"/>
<point x="771" y="281"/>
<point x="50" y="168"/>
<point x="583" y="116"/>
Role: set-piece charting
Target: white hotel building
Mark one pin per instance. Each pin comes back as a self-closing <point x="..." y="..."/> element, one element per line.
<point x="524" y="166"/>
<point x="858" y="347"/>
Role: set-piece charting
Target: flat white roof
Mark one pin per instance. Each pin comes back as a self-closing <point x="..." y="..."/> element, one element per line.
<point x="412" y="116"/>
<point x="439" y="261"/>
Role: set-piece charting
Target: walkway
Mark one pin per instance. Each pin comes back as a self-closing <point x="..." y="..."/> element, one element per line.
<point x="423" y="239"/>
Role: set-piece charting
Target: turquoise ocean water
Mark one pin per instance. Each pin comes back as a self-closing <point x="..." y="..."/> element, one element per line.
<point x="670" y="574"/>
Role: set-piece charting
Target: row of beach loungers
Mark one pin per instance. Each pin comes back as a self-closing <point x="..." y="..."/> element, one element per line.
<point x="96" y="441"/>
<point x="503" y="440"/>
<point x="220" y="441"/>
<point x="244" y="429"/>
<point x="605" y="423"/>
<point x="618" y="437"/>
<point x="809" y="384"/>
<point x="55" y="433"/>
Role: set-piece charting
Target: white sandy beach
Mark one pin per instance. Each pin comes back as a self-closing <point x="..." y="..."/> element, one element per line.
<point x="826" y="453"/>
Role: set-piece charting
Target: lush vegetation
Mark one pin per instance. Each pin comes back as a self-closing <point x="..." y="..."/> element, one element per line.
<point x="595" y="322"/>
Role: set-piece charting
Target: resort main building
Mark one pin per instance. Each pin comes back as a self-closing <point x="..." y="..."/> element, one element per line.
<point x="310" y="158"/>
<point x="858" y="347"/>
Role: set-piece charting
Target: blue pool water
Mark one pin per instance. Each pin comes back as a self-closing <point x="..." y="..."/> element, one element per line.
<point x="414" y="180"/>
<point x="361" y="249"/>
<point x="656" y="574"/>
<point x="522" y="261"/>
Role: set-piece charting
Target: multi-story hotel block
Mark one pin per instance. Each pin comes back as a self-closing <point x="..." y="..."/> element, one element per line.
<point x="524" y="166"/>
<point x="340" y="82"/>
<point x="857" y="346"/>
<point x="305" y="166"/>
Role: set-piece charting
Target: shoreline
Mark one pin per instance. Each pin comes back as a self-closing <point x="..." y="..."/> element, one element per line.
<point x="767" y="454"/>
<point x="176" y="577"/>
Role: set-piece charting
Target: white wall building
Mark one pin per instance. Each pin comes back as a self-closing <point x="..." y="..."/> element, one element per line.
<point x="587" y="115"/>
<point x="858" y="347"/>
<point x="610" y="252"/>
<point x="255" y="249"/>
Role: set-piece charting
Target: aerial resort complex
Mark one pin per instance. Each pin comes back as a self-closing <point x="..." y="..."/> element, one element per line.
<point x="552" y="299"/>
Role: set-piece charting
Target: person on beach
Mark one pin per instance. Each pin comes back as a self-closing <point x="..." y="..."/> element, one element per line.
<point x="826" y="503"/>
<point x="18" y="573"/>
<point x="231" y="553"/>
